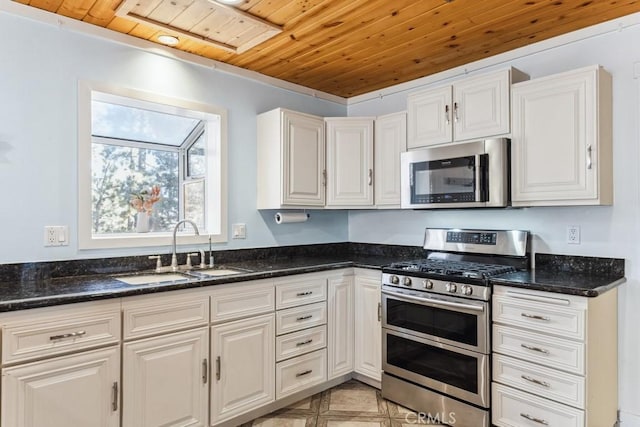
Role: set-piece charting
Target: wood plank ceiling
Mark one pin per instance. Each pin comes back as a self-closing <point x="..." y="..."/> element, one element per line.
<point x="351" y="47"/>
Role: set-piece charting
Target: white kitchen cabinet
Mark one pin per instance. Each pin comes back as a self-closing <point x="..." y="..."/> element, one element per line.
<point x="389" y="141"/>
<point x="349" y="162"/>
<point x="291" y="160"/>
<point x="471" y="108"/>
<point x="76" y="390"/>
<point x="243" y="366"/>
<point x="165" y="359"/>
<point x="561" y="150"/>
<point x="340" y="345"/>
<point x="368" y="326"/>
<point x="165" y="380"/>
<point x="554" y="358"/>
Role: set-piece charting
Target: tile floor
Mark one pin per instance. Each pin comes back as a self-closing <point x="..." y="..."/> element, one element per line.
<point x="352" y="404"/>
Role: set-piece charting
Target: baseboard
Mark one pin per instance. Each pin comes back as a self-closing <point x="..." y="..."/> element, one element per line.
<point x="367" y="380"/>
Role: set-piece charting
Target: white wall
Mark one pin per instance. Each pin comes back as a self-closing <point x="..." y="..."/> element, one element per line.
<point x="608" y="231"/>
<point x="39" y="72"/>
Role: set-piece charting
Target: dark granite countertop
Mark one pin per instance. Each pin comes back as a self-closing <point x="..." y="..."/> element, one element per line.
<point x="571" y="275"/>
<point x="32" y="292"/>
<point x="32" y="285"/>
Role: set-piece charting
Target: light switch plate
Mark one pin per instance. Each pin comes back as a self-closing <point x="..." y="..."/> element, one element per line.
<point x="239" y="231"/>
<point x="56" y="235"/>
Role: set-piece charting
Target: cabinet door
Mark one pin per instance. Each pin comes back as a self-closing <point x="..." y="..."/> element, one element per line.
<point x="390" y="140"/>
<point x="368" y="328"/>
<point x="340" y="327"/>
<point x="243" y="366"/>
<point x="165" y="380"/>
<point x="429" y="117"/>
<point x="304" y="157"/>
<point x="481" y="106"/>
<point x="349" y="162"/>
<point x="76" y="390"/>
<point x="555" y="144"/>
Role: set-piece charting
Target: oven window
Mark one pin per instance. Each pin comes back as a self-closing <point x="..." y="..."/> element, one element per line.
<point x="437" y="322"/>
<point x="447" y="367"/>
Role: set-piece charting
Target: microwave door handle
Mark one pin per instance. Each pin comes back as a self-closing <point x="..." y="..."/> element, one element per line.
<point x="478" y="171"/>
<point x="434" y="302"/>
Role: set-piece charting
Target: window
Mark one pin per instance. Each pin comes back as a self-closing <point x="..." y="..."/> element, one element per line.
<point x="146" y="162"/>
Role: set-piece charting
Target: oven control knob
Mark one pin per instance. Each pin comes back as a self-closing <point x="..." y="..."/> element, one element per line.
<point x="466" y="290"/>
<point x="450" y="287"/>
<point x="395" y="280"/>
<point x="427" y="284"/>
<point x="407" y="281"/>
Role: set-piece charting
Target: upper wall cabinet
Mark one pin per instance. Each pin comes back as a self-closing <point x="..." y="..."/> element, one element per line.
<point x="349" y="162"/>
<point x="471" y="108"/>
<point x="561" y="141"/>
<point x="291" y="158"/>
<point x="389" y="141"/>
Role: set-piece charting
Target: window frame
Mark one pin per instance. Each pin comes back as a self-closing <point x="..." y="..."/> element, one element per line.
<point x="216" y="183"/>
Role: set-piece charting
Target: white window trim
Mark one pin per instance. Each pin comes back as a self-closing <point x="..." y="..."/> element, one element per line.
<point x="86" y="239"/>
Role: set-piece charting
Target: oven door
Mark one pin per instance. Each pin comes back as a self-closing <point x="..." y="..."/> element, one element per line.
<point x="448" y="320"/>
<point x="450" y="370"/>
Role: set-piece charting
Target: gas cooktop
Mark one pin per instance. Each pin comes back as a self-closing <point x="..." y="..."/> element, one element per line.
<point x="442" y="267"/>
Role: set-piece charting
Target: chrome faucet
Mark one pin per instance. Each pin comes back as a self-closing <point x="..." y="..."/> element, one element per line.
<point x="174" y="258"/>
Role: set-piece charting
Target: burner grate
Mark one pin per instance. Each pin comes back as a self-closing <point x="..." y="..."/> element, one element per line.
<point x="453" y="268"/>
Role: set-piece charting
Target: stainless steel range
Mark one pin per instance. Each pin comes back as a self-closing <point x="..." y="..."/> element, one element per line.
<point x="436" y="323"/>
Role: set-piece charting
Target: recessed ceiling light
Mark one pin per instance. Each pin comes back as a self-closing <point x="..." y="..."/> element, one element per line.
<point x="168" y="40"/>
<point x="230" y="2"/>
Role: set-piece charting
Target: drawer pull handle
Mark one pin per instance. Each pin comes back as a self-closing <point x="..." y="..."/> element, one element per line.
<point x="304" y="294"/>
<point x="309" y="341"/>
<point x="534" y="419"/>
<point x="532" y="348"/>
<point x="535" y="316"/>
<point x="218" y="368"/>
<point x="535" y="381"/>
<point x="303" y="373"/>
<point x="307" y="317"/>
<point x="114" y="397"/>
<point x="71" y="335"/>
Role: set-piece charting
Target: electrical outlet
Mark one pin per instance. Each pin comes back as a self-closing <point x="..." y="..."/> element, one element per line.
<point x="239" y="231"/>
<point x="56" y="235"/>
<point x="573" y="234"/>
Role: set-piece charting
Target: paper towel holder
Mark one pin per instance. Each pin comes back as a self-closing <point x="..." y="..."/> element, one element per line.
<point x="291" y="217"/>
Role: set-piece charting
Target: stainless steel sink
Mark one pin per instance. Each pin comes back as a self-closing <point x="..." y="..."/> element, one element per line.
<point x="149" y="278"/>
<point x="217" y="272"/>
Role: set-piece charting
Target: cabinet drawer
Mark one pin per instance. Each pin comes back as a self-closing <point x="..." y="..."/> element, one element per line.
<point x="544" y="382"/>
<point x="303" y="291"/>
<point x="50" y="332"/>
<point x="300" y="373"/>
<point x="154" y="314"/>
<point x="514" y="408"/>
<point x="238" y="300"/>
<point x="301" y="342"/>
<point x="538" y="348"/>
<point x="297" y="318"/>
<point x="552" y="316"/>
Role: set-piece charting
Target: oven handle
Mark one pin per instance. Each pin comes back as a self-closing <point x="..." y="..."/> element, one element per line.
<point x="434" y="302"/>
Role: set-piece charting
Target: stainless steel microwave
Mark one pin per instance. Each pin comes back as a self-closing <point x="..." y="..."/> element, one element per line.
<point x="465" y="175"/>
